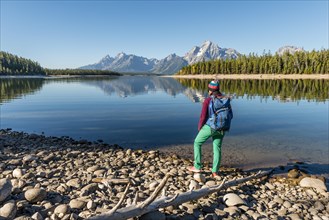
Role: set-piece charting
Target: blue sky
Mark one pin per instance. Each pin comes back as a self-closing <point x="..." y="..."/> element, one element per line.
<point x="70" y="34"/>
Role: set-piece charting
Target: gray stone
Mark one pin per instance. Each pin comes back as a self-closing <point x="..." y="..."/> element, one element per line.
<point x="8" y="210"/>
<point x="318" y="206"/>
<point x="62" y="208"/>
<point x="194" y="185"/>
<point x="29" y="158"/>
<point x="35" y="195"/>
<point x="18" y="173"/>
<point x="314" y="183"/>
<point x="37" y="216"/>
<point x="91" y="204"/>
<point x="278" y="200"/>
<point x="5" y="189"/>
<point x="287" y="204"/>
<point x="210" y="183"/>
<point x="269" y="186"/>
<point x="294" y="216"/>
<point x="77" y="204"/>
<point x="232" y="210"/>
<point x="76" y="183"/>
<point x="282" y="212"/>
<point x="90" y="188"/>
<point x="232" y="199"/>
<point x="199" y="177"/>
<point x="92" y="169"/>
<point x="293" y="173"/>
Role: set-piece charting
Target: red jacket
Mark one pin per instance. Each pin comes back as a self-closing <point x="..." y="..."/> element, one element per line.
<point x="204" y="113"/>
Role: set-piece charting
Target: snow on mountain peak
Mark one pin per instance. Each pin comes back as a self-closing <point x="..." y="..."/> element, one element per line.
<point x="172" y="63"/>
<point x="209" y="51"/>
<point x="288" y="49"/>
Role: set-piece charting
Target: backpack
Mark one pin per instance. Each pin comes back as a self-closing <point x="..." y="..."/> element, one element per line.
<point x="220" y="113"/>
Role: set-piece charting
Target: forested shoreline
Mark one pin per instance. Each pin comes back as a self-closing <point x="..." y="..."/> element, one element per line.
<point x="14" y="65"/>
<point x="314" y="62"/>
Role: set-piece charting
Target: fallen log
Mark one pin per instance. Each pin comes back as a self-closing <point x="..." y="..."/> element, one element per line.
<point x="174" y="200"/>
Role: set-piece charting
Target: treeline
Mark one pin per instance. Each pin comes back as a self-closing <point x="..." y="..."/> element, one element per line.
<point x="314" y="62"/>
<point x="72" y="72"/>
<point x="13" y="65"/>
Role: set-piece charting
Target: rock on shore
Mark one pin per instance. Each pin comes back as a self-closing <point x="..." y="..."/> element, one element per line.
<point x="52" y="178"/>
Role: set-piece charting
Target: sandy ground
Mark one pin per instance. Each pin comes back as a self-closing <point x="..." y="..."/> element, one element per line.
<point x="253" y="76"/>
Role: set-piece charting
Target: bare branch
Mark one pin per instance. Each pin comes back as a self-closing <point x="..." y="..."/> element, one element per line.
<point x="120" y="201"/>
<point x="155" y="193"/>
<point x="151" y="204"/>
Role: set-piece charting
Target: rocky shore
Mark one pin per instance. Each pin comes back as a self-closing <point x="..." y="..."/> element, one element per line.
<point x="54" y="178"/>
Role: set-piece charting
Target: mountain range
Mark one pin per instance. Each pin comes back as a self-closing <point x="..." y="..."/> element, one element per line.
<point x="169" y="65"/>
<point x="172" y="63"/>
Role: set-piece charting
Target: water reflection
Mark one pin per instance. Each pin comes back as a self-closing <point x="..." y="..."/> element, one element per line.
<point x="14" y="88"/>
<point x="282" y="90"/>
<point x="140" y="111"/>
<point x="195" y="89"/>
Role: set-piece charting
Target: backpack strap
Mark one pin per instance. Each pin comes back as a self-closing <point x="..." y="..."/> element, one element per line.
<point x="212" y="106"/>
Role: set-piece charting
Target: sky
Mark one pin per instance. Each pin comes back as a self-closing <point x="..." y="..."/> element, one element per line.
<point x="71" y="34"/>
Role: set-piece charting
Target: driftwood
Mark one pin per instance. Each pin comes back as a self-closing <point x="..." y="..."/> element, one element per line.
<point x="106" y="181"/>
<point x="151" y="204"/>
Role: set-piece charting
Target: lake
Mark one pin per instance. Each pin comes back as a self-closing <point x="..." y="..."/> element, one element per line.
<point x="275" y="121"/>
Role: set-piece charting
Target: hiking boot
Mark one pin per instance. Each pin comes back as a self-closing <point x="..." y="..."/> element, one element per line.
<point x="193" y="169"/>
<point x="216" y="175"/>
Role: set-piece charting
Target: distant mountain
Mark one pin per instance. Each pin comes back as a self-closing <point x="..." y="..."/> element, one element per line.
<point x="124" y="63"/>
<point x="289" y="49"/>
<point x="209" y="51"/>
<point x="169" y="65"/>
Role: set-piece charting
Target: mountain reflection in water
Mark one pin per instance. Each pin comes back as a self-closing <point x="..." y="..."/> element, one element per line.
<point x="274" y="120"/>
<point x="194" y="89"/>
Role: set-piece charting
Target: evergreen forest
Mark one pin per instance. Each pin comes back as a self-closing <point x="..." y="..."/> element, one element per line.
<point x="314" y="62"/>
<point x="14" y="65"/>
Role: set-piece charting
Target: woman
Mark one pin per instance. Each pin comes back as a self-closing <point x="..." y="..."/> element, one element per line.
<point x="206" y="131"/>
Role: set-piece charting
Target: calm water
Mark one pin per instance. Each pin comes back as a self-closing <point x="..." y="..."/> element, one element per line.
<point x="274" y="121"/>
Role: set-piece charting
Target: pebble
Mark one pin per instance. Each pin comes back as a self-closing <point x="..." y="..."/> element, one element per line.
<point x="194" y="185"/>
<point x="314" y="183"/>
<point x="286" y="204"/>
<point x="293" y="173"/>
<point x="37" y="216"/>
<point x="18" y="173"/>
<point x="199" y="177"/>
<point x="77" y="204"/>
<point x="232" y="199"/>
<point x="35" y="195"/>
<point x="74" y="183"/>
<point x="65" y="170"/>
<point x="8" y="210"/>
<point x="5" y="189"/>
<point x="62" y="208"/>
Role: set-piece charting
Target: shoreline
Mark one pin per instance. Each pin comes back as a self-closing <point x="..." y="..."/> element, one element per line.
<point x="252" y="76"/>
<point x="54" y="177"/>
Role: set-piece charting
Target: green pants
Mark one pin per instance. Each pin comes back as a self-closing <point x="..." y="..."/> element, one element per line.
<point x="217" y="137"/>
